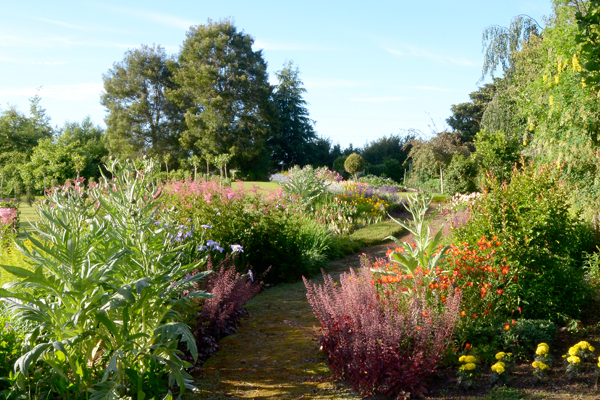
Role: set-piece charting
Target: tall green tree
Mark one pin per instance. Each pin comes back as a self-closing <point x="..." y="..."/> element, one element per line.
<point x="291" y="138"/>
<point x="90" y="142"/>
<point x="466" y="117"/>
<point x="225" y="86"/>
<point x="21" y="133"/>
<point x="141" y="119"/>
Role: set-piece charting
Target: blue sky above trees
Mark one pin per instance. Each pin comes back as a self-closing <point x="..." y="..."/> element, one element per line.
<point x="370" y="68"/>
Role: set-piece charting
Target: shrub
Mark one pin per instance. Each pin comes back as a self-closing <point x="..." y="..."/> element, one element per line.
<point x="267" y="229"/>
<point x="541" y="239"/>
<point x="380" y="339"/>
<point x="102" y="292"/>
<point x="461" y="175"/>
<point x="354" y="164"/>
<point x="9" y="222"/>
<point x="380" y="347"/>
<point x="219" y="316"/>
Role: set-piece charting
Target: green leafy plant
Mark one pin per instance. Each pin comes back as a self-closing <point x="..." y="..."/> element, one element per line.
<point x="102" y="293"/>
<point x="423" y="255"/>
<point x="542" y="240"/>
<point x="304" y="184"/>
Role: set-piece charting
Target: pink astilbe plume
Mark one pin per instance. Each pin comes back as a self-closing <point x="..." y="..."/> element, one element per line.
<point x="388" y="348"/>
<point x="7" y="215"/>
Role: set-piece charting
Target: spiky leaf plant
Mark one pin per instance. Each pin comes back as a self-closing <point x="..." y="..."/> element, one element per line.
<point x="103" y="292"/>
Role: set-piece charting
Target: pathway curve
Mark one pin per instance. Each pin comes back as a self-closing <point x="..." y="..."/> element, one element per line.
<point x="275" y="352"/>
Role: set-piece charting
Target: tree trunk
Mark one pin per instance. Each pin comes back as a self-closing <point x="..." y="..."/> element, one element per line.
<point x="442" y="180"/>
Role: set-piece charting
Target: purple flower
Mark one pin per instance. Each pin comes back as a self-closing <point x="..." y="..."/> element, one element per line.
<point x="219" y="249"/>
<point x="250" y="275"/>
<point x="236" y="248"/>
<point x="206" y="226"/>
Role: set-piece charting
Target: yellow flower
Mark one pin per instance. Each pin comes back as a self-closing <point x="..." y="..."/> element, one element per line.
<point x="536" y="364"/>
<point x="500" y="355"/>
<point x="543" y="366"/>
<point x="573" y="351"/>
<point x="462" y="359"/>
<point x="470" y="359"/>
<point x="470" y="366"/>
<point x="551" y="100"/>
<point x="556" y="79"/>
<point x="543" y="345"/>
<point x="592" y="349"/>
<point x="498" y="368"/>
<point x="541" y="351"/>
<point x="573" y="360"/>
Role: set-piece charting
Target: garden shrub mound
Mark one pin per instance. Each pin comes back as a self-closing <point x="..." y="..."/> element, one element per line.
<point x="542" y="241"/>
<point x="271" y="232"/>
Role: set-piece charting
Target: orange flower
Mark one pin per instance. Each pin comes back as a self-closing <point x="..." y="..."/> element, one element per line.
<point x="474" y="315"/>
<point x="467" y="346"/>
<point x="514" y="322"/>
<point x="506" y="327"/>
<point x="463" y="313"/>
<point x="499" y="291"/>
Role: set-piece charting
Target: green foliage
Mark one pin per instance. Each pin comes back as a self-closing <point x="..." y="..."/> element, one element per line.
<point x="141" y="119"/>
<point x="461" y="175"/>
<point x="588" y="37"/>
<point x="378" y="181"/>
<point x="429" y="156"/>
<point x="466" y="117"/>
<point x="354" y="164"/>
<point x="290" y="141"/>
<point x="305" y="185"/>
<point x="224" y="86"/>
<point x="88" y="141"/>
<point x="270" y="233"/>
<point x="504" y="393"/>
<point x="521" y="338"/>
<point x="101" y="293"/>
<point x="19" y="133"/>
<point x="497" y="153"/>
<point x="11" y="337"/>
<point x="541" y="239"/>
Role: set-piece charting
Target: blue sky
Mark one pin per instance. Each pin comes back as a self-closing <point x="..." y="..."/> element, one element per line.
<point x="370" y="68"/>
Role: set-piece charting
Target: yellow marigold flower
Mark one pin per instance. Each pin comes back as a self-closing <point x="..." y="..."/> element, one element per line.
<point x="543" y="345"/>
<point x="470" y="366"/>
<point x="470" y="359"/>
<point x="573" y="350"/>
<point x="541" y="351"/>
<point x="543" y="366"/>
<point x="573" y="360"/>
<point x="500" y="355"/>
<point x="535" y="364"/>
<point x="462" y="359"/>
<point x="509" y="354"/>
<point x="592" y="349"/>
<point x="498" y="368"/>
<point x="583" y="345"/>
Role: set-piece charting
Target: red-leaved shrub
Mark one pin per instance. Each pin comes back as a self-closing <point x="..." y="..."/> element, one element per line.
<point x="381" y="347"/>
<point x="219" y="316"/>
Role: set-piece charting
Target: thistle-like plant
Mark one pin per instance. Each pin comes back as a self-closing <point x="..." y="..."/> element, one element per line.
<point x="304" y="184"/>
<point x="102" y="292"/>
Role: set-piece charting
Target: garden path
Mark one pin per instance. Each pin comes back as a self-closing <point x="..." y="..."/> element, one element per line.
<point x="275" y="352"/>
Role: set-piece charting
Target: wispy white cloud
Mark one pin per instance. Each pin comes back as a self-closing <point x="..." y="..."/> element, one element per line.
<point x="430" y="88"/>
<point x="275" y="46"/>
<point x="412" y="51"/>
<point x="22" y="61"/>
<point x="75" y="92"/>
<point x="317" y="83"/>
<point x="87" y="27"/>
<point x="34" y="40"/>
<point x="159" y="18"/>
<point x="384" y="99"/>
